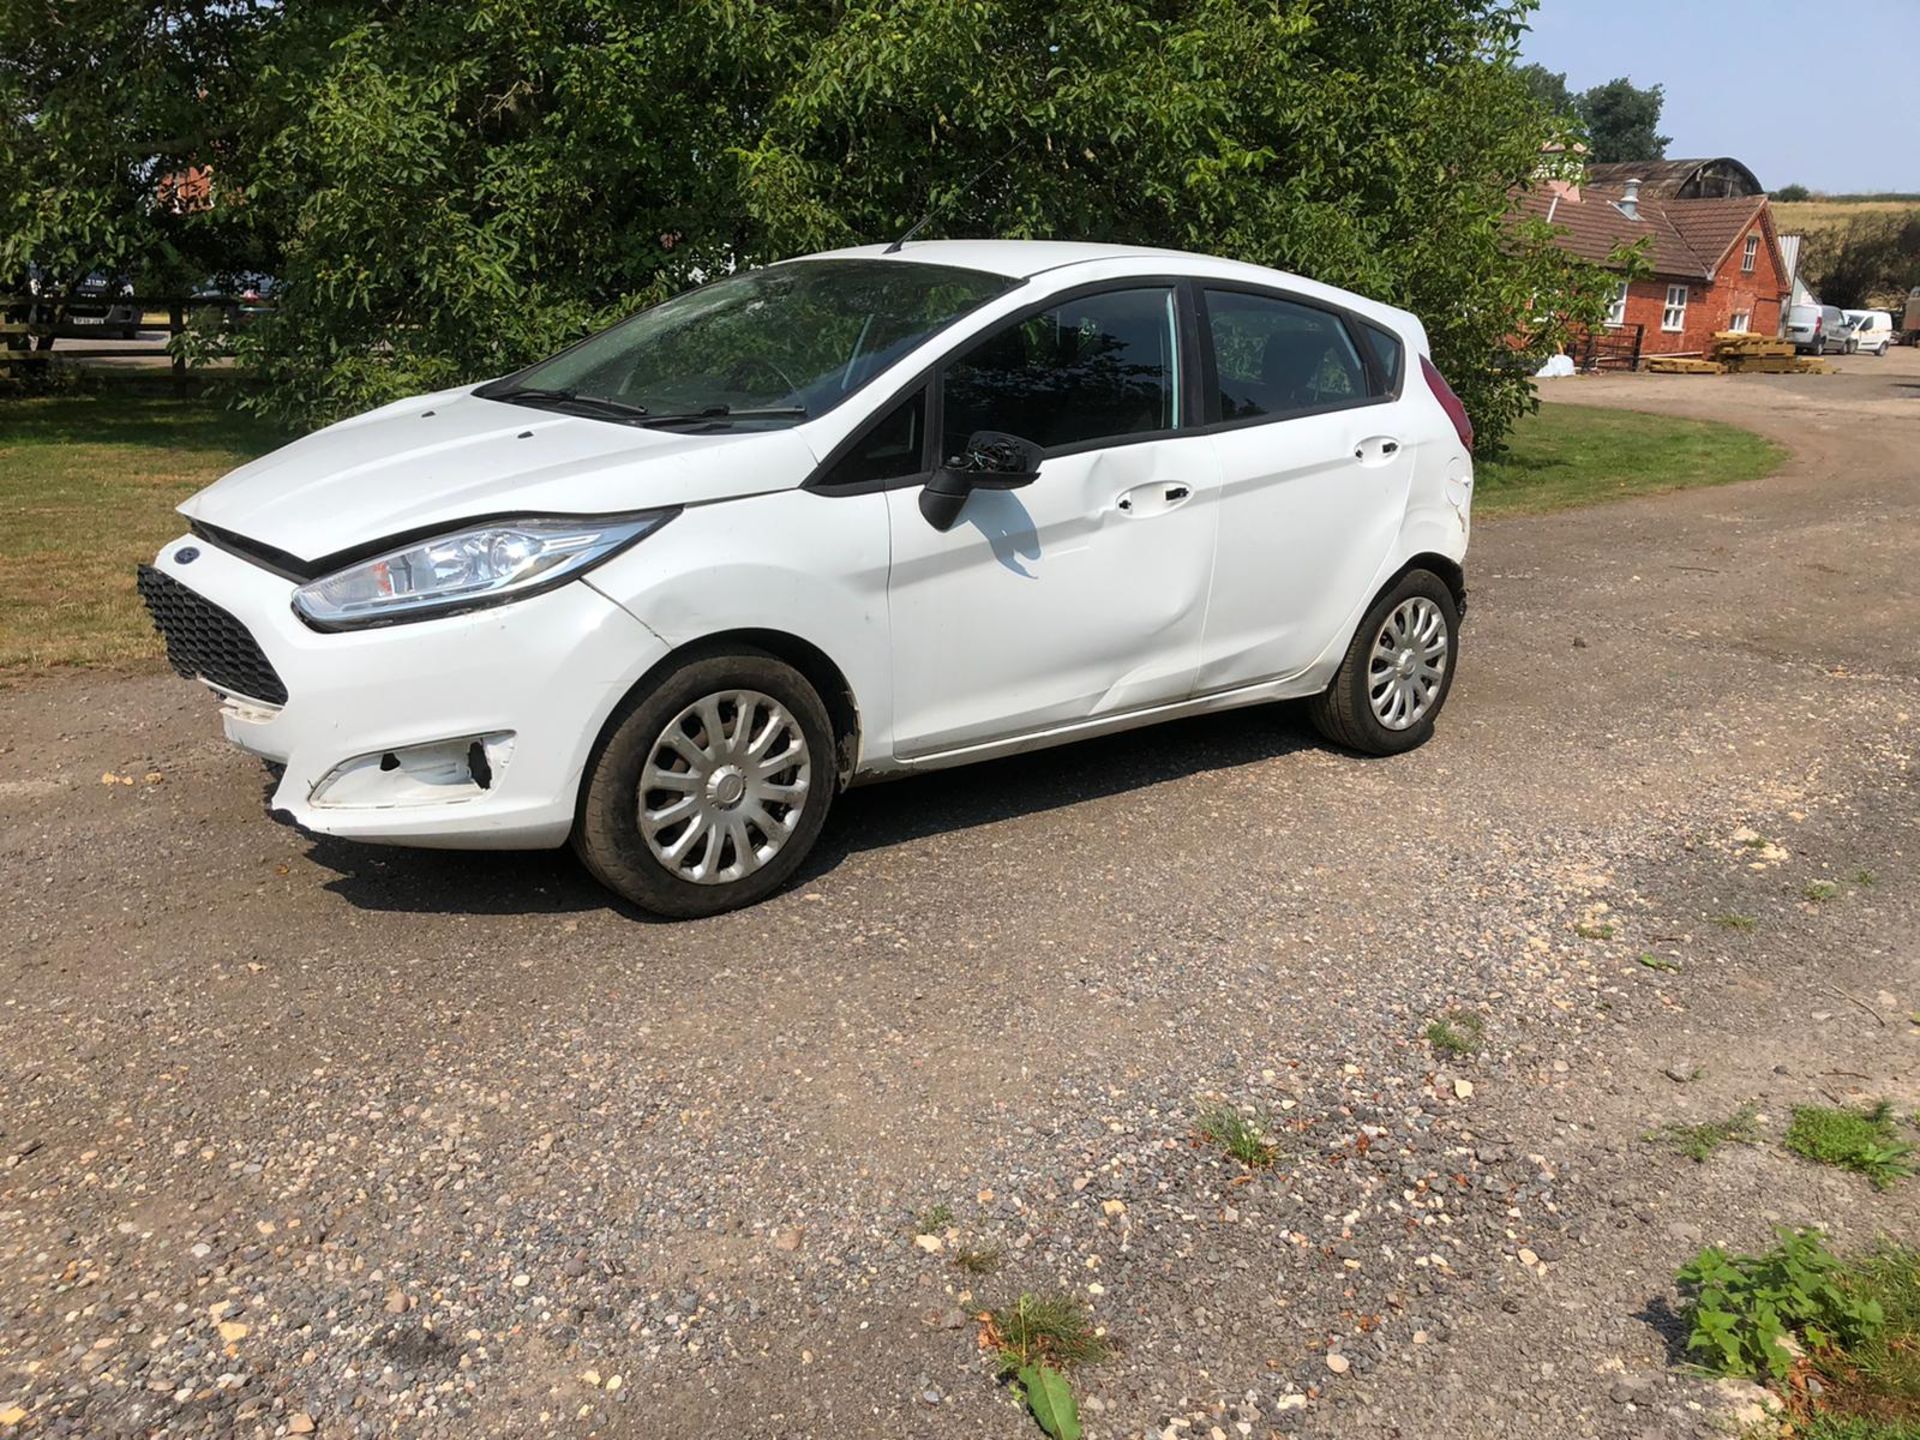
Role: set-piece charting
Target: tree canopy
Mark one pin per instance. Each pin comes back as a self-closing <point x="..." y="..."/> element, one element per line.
<point x="1623" y="121"/>
<point x="448" y="189"/>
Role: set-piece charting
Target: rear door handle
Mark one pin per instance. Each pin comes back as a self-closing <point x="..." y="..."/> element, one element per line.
<point x="1154" y="499"/>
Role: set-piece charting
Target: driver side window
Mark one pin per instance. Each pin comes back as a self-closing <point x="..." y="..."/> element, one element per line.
<point x="1100" y="367"/>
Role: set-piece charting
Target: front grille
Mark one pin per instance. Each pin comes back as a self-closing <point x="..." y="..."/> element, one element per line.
<point x="204" y="642"/>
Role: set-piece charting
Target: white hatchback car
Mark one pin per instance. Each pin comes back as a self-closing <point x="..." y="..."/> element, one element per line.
<point x="848" y="516"/>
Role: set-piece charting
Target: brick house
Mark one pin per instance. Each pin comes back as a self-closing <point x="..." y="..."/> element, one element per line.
<point x="1710" y="239"/>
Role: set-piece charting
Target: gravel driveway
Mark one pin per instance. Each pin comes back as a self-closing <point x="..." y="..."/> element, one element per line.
<point x="300" y="1137"/>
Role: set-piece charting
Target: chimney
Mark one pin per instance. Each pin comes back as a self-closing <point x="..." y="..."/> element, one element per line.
<point x="1630" y="200"/>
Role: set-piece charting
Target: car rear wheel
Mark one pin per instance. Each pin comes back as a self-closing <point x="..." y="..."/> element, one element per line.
<point x="1397" y="672"/>
<point x="711" y="789"/>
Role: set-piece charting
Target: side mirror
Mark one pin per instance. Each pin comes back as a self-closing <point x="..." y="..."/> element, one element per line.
<point x="992" y="460"/>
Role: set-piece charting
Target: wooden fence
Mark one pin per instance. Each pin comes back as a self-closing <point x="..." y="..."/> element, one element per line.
<point x="31" y="326"/>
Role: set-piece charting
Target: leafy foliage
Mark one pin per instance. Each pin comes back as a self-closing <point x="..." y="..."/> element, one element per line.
<point x="104" y="106"/>
<point x="450" y="190"/>
<point x="1873" y="258"/>
<point x="1050" y="1400"/>
<point x="1742" y="1307"/>
<point x="1861" y="1140"/>
<point x="1623" y="121"/>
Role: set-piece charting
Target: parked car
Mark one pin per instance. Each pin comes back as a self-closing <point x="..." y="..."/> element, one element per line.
<point x="1871" y="330"/>
<point x="1817" y="329"/>
<point x="853" y="515"/>
<point x="98" y="307"/>
<point x="240" y="298"/>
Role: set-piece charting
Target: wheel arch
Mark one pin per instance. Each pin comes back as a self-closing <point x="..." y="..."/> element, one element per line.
<point x="1451" y="571"/>
<point x="814" y="664"/>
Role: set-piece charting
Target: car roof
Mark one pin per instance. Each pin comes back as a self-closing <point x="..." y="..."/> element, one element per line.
<point x="1026" y="259"/>
<point x="1016" y="259"/>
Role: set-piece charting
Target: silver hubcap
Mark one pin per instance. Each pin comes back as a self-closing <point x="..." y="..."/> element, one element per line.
<point x="1407" y="663"/>
<point x="724" y="786"/>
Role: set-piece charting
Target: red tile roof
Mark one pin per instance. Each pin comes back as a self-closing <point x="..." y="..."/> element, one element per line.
<point x="1687" y="237"/>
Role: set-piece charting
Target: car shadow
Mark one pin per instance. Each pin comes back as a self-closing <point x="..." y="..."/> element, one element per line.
<point x="871" y="817"/>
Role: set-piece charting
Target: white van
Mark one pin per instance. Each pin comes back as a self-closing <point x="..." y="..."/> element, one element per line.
<point x="1872" y="330"/>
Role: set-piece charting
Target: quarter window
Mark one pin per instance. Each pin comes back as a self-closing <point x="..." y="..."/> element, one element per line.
<point x="890" y="450"/>
<point x="1276" y="357"/>
<point x="1101" y="367"/>
<point x="1753" y="249"/>
<point x="1674" y="316"/>
<point x="1388" y="351"/>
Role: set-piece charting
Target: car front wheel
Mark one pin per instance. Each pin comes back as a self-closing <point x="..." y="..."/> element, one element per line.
<point x="711" y="789"/>
<point x="1397" y="672"/>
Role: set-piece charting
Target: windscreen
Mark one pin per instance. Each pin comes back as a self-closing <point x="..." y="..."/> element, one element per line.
<point x="778" y="345"/>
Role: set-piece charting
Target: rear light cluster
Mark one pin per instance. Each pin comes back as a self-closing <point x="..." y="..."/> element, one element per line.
<point x="1449" y="402"/>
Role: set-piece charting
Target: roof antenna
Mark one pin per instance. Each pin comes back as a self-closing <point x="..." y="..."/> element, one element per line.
<point x="966" y="189"/>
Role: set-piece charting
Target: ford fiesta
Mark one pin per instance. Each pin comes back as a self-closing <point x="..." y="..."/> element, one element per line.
<point x="848" y="516"/>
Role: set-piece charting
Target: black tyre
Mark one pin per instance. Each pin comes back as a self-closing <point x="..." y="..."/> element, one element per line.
<point x="710" y="788"/>
<point x="1397" y="672"/>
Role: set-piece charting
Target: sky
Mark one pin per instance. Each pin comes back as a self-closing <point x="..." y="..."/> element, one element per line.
<point x="1822" y="93"/>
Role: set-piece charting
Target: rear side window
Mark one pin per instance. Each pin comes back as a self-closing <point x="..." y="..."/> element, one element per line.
<point x="1276" y="357"/>
<point x="1388" y="352"/>
<point x="890" y="450"/>
<point x="1101" y="367"/>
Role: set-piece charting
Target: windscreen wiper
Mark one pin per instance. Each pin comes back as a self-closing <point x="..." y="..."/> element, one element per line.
<point x="727" y="412"/>
<point x="535" y="395"/>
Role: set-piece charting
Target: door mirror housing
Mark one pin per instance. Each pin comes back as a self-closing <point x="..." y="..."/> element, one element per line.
<point x="993" y="460"/>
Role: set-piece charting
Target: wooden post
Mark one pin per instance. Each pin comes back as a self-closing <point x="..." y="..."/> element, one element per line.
<point x="176" y="322"/>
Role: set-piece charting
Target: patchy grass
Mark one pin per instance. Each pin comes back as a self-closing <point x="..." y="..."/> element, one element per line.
<point x="1045" y="1329"/>
<point x="1865" y="879"/>
<point x="1820" y="891"/>
<point x="1860" y="1140"/>
<point x="1658" y="962"/>
<point x="1593" y="930"/>
<point x="1734" y="920"/>
<point x="934" y="1218"/>
<point x="1244" y="1138"/>
<point x="1698" y="1142"/>
<point x="1458" y="1032"/>
<point x="977" y="1259"/>
<point x="88" y="482"/>
<point x="1568" y="455"/>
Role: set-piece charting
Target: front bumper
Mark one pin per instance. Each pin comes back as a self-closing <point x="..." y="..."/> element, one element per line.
<point x="531" y="682"/>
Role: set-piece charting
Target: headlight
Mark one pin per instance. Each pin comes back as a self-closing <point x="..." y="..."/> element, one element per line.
<point x="463" y="569"/>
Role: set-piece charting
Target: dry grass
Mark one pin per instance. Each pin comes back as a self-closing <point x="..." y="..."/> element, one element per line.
<point x="1800" y="217"/>
<point x="88" y="482"/>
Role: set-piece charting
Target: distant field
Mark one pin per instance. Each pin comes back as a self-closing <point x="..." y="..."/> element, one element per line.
<point x="1798" y="217"/>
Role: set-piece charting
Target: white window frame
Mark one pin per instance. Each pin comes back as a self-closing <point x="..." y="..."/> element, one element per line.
<point x="1673" y="317"/>
<point x="1617" y="307"/>
<point x="1752" y="251"/>
<point x="1740" y="322"/>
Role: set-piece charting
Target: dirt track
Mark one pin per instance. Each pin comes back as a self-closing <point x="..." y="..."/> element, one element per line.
<point x="356" y="1096"/>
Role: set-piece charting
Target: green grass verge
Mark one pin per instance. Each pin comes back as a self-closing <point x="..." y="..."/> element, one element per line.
<point x="88" y="481"/>
<point x="1570" y="455"/>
